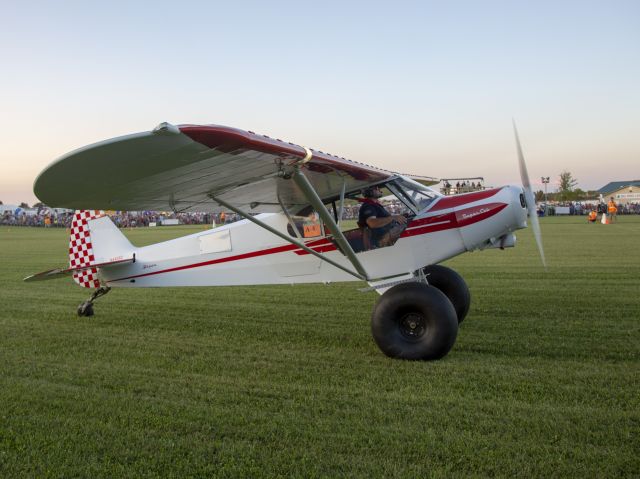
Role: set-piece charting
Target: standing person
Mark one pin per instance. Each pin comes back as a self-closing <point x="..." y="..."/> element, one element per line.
<point x="612" y="209"/>
<point x="385" y="227"/>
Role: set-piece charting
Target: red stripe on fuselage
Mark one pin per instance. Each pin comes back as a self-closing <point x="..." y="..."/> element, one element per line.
<point x="431" y="219"/>
<point x="443" y="222"/>
<point x="446" y="202"/>
<point x="253" y="254"/>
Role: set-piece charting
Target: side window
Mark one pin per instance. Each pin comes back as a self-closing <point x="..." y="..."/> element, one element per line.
<point x="386" y="203"/>
<point x="307" y="225"/>
<point x="311" y="227"/>
<point x="396" y="207"/>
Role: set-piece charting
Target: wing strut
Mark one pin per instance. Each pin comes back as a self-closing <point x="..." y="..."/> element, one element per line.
<point x="344" y="187"/>
<point x="311" y="195"/>
<point x="299" y="244"/>
<point x="289" y="218"/>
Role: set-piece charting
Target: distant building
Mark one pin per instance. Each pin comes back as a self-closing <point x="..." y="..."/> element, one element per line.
<point x="623" y="192"/>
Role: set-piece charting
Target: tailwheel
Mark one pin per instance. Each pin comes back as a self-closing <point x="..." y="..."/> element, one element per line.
<point x="414" y="321"/>
<point x="86" y="307"/>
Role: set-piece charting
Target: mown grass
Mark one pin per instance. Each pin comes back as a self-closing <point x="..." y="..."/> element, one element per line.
<point x="286" y="380"/>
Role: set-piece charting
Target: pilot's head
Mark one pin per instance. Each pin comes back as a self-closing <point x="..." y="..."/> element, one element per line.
<point x="372" y="192"/>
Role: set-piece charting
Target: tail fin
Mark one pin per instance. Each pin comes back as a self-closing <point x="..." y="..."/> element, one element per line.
<point x="94" y="240"/>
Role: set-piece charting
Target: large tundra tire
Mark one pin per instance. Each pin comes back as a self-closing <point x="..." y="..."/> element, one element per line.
<point x="414" y="321"/>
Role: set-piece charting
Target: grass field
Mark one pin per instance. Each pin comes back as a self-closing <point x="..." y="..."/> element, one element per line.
<point x="286" y="380"/>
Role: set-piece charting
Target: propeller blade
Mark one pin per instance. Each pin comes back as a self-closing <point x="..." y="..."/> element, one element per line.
<point x="529" y="197"/>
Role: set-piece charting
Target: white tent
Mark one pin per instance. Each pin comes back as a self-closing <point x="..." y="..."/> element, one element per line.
<point x="10" y="208"/>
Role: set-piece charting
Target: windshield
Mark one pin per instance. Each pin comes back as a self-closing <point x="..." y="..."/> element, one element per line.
<point x="417" y="195"/>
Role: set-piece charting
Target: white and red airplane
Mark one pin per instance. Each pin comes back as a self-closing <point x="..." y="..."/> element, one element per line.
<point x="292" y="200"/>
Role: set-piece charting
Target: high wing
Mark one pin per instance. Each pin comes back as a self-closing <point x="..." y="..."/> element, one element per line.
<point x="181" y="168"/>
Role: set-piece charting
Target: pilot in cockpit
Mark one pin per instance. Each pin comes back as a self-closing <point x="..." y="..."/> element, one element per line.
<point x="385" y="227"/>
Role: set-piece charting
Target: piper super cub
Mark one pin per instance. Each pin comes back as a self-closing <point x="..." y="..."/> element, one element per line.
<point x="292" y="200"/>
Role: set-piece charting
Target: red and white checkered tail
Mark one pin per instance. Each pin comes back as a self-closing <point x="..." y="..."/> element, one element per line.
<point x="81" y="248"/>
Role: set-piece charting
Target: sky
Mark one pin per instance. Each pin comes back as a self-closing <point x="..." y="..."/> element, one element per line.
<point x="425" y="87"/>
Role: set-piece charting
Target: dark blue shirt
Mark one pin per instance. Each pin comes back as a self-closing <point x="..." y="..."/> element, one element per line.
<point x="371" y="209"/>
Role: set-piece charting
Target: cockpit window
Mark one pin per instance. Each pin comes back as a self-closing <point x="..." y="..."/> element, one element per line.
<point x="307" y="224"/>
<point x="417" y="195"/>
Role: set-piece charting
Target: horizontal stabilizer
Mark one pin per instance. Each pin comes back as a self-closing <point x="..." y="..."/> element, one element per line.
<point x="59" y="273"/>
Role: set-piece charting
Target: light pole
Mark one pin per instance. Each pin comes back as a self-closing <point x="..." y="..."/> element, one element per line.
<point x="545" y="182"/>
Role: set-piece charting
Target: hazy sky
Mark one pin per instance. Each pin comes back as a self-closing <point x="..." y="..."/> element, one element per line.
<point x="421" y="87"/>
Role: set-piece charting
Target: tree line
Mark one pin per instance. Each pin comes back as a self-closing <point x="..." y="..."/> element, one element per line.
<point x="567" y="190"/>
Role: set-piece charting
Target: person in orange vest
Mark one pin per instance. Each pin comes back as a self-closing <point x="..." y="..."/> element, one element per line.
<point x="593" y="216"/>
<point x="612" y="209"/>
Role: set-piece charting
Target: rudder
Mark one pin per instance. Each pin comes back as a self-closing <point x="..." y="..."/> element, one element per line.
<point x="81" y="248"/>
<point x="94" y="239"/>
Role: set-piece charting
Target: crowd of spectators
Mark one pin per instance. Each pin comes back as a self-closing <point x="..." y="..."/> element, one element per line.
<point x="623" y="209"/>
<point x="583" y="208"/>
<point x="129" y="219"/>
<point x="22" y="219"/>
<point x="49" y="218"/>
<point x="123" y="219"/>
<point x="126" y="219"/>
<point x="460" y="187"/>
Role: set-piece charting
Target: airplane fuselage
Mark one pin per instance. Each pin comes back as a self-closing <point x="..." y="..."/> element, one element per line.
<point x="244" y="253"/>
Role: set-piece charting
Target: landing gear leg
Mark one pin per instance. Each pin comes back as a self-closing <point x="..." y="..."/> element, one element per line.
<point x="86" y="307"/>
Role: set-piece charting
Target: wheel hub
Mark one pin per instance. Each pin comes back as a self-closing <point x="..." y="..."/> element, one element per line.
<point x="413" y="325"/>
